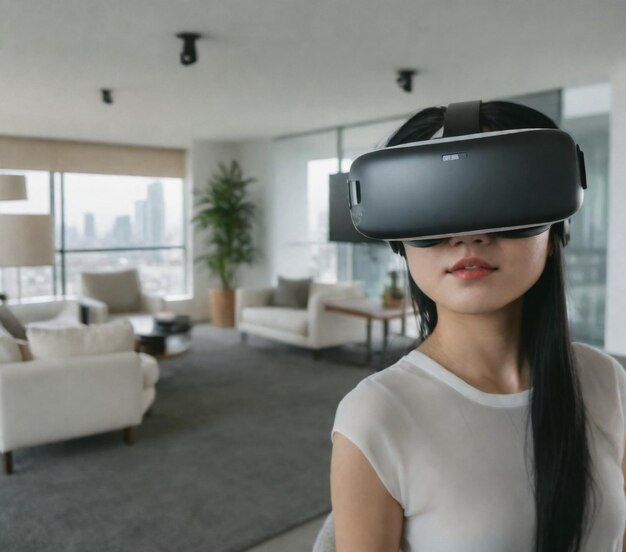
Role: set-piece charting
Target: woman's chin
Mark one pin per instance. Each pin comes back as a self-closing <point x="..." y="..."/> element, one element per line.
<point x="477" y="306"/>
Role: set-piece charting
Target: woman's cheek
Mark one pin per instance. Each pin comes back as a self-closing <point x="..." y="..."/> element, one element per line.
<point x="429" y="282"/>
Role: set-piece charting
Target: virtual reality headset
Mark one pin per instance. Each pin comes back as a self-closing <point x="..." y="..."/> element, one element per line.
<point x="511" y="183"/>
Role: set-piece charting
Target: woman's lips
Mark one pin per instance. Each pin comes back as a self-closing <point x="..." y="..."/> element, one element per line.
<point x="471" y="262"/>
<point x="471" y="268"/>
<point x="472" y="273"/>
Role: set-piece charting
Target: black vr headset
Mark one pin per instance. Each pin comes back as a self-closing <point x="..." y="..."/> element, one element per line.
<point x="509" y="183"/>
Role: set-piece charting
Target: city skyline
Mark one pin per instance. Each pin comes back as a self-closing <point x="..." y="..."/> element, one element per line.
<point x="146" y="225"/>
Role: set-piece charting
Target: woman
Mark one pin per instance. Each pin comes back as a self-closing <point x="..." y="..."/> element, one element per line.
<point x="497" y="434"/>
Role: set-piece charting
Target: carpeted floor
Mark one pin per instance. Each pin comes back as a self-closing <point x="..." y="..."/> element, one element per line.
<point x="237" y="450"/>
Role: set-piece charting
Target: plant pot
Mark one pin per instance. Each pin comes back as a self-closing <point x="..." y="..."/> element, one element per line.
<point x="393" y="303"/>
<point x="222" y="307"/>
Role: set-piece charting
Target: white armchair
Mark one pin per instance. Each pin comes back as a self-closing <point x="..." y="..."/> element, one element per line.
<point x="313" y="328"/>
<point x="54" y="399"/>
<point x="118" y="294"/>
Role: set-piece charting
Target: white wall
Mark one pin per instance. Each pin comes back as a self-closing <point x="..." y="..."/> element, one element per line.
<point x="615" y="322"/>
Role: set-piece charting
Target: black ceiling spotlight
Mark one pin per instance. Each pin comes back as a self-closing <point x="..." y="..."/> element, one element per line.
<point x="107" y="95"/>
<point x="189" y="54"/>
<point x="405" y="79"/>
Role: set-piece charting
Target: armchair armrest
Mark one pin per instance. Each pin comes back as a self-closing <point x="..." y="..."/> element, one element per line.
<point x="327" y="327"/>
<point x="92" y="311"/>
<point x="251" y="297"/>
<point x="337" y="291"/>
<point x="152" y="303"/>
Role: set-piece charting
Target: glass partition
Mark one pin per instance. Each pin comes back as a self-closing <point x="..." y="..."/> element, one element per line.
<point x="586" y="255"/>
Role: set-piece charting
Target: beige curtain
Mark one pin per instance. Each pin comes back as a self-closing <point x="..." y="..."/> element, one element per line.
<point x="83" y="157"/>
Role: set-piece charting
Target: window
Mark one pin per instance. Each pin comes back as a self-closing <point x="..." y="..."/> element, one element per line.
<point x="586" y="116"/>
<point x="113" y="222"/>
<point x="104" y="222"/>
<point x="324" y="253"/>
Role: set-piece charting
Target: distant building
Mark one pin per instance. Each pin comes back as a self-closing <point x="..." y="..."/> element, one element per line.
<point x="155" y="215"/>
<point x="122" y="231"/>
<point x="141" y="221"/>
<point x="72" y="236"/>
<point x="89" y="227"/>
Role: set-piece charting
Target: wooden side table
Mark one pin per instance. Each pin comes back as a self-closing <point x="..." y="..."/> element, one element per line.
<point x="370" y="309"/>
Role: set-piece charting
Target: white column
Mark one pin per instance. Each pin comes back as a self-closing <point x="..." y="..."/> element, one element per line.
<point x="615" y="321"/>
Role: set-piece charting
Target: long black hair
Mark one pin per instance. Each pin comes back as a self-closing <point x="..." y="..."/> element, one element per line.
<point x="563" y="480"/>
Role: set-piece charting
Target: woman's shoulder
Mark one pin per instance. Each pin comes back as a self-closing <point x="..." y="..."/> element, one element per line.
<point x="383" y="391"/>
<point x="602" y="377"/>
<point x="596" y="360"/>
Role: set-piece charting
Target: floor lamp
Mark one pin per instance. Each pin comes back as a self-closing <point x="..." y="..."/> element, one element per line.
<point x="26" y="240"/>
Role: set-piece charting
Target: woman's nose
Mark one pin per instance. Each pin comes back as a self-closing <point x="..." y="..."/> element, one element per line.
<point x="470" y="238"/>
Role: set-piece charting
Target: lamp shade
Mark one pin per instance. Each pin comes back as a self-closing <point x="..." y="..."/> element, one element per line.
<point x="26" y="240"/>
<point x="12" y="187"/>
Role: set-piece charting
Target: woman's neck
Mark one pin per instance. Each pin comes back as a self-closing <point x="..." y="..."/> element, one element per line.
<point x="484" y="350"/>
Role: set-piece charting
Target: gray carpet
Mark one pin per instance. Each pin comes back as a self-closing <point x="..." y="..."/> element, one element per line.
<point x="236" y="451"/>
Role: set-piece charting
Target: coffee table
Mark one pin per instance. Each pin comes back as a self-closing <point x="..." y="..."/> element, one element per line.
<point x="370" y="309"/>
<point x="162" y="339"/>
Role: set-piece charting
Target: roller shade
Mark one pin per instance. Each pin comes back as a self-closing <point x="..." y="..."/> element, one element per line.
<point x="84" y="157"/>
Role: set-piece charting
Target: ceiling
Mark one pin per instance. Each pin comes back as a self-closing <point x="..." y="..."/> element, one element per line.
<point x="275" y="67"/>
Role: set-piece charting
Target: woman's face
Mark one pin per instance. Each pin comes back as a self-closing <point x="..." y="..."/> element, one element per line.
<point x="516" y="265"/>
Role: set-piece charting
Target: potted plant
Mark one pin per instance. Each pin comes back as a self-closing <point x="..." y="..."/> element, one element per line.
<point x="393" y="297"/>
<point x="222" y="209"/>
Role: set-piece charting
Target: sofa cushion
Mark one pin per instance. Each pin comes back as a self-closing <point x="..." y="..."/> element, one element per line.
<point x="291" y="293"/>
<point x="119" y="290"/>
<point x="96" y="339"/>
<point x="11" y="323"/>
<point x="278" y="318"/>
<point x="9" y="349"/>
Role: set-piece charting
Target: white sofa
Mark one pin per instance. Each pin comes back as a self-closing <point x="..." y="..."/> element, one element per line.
<point x="48" y="400"/>
<point x="313" y="328"/>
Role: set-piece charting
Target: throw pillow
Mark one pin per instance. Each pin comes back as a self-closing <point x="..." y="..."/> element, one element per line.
<point x="9" y="349"/>
<point x="96" y="339"/>
<point x="11" y="323"/>
<point x="291" y="293"/>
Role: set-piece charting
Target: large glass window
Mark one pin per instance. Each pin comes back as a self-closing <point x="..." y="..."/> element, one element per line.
<point x="323" y="252"/>
<point x="111" y="222"/>
<point x="586" y="117"/>
<point x="104" y="222"/>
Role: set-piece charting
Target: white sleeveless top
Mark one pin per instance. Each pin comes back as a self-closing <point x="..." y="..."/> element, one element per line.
<point x="453" y="456"/>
